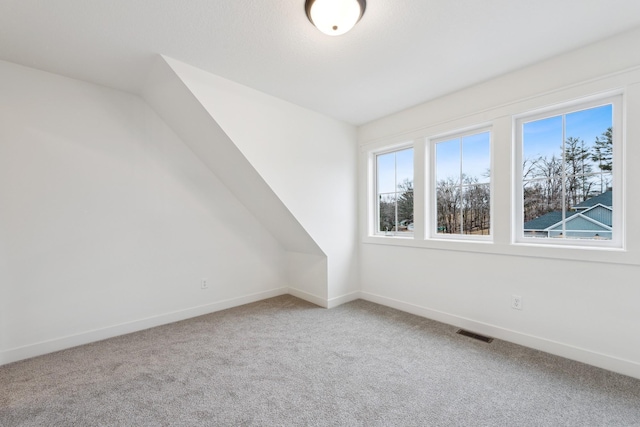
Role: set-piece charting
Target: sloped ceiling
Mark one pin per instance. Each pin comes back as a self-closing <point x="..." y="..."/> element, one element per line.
<point x="402" y="52"/>
<point x="170" y="97"/>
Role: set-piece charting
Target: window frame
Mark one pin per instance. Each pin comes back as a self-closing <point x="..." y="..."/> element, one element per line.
<point x="374" y="203"/>
<point x="618" y="232"/>
<point x="431" y="197"/>
<point x="501" y="118"/>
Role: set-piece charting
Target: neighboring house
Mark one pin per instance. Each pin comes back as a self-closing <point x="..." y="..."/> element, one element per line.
<point x="591" y="219"/>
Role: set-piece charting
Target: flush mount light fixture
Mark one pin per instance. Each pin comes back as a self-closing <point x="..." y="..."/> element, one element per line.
<point x="335" y="17"/>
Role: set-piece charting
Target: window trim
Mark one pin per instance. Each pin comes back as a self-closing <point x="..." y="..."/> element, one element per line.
<point x="618" y="239"/>
<point x="501" y="119"/>
<point x="431" y="219"/>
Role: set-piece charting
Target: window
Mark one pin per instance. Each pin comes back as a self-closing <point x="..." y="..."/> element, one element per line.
<point x="544" y="183"/>
<point x="567" y="192"/>
<point x="463" y="185"/>
<point x="394" y="191"/>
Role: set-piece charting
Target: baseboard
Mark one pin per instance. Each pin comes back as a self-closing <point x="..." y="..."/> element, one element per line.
<point x="611" y="363"/>
<point x="604" y="361"/>
<point x="50" y="346"/>
<point x="323" y="302"/>
<point x="334" y="302"/>
<point x="313" y="299"/>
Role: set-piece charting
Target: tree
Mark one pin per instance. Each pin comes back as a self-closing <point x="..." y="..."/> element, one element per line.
<point x="463" y="208"/>
<point x="475" y="206"/>
<point x="542" y="186"/>
<point x="603" y="151"/>
<point x="396" y="208"/>
<point x="448" y="206"/>
<point x="603" y="156"/>
<point x="405" y="202"/>
<point x="575" y="157"/>
<point x="387" y="211"/>
<point x="559" y="183"/>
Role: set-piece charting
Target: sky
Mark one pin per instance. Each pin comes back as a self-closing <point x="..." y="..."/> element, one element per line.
<point x="393" y="169"/>
<point x="544" y="137"/>
<point x="469" y="155"/>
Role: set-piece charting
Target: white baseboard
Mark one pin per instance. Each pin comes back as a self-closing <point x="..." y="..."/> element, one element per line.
<point x="323" y="302"/>
<point x="610" y="363"/>
<point x="334" y="302"/>
<point x="313" y="299"/>
<point x="62" y="343"/>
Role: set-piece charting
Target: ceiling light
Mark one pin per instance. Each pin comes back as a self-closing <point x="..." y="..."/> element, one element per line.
<point x="335" y="17"/>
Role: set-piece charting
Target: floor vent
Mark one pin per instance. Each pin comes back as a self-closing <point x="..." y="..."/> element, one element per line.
<point x="474" y="336"/>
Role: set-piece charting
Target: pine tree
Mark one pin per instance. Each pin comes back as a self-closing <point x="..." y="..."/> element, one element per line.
<point x="603" y="151"/>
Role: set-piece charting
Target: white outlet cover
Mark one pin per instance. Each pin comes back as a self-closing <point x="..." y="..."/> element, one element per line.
<point x="516" y="302"/>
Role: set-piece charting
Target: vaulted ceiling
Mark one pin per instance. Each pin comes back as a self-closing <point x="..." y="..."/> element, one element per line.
<point x="402" y="52"/>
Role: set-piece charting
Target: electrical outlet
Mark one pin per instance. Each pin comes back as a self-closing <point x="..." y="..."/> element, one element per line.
<point x="204" y="284"/>
<point x="516" y="302"/>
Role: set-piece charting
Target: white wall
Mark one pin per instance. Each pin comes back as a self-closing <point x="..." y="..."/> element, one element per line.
<point x="575" y="305"/>
<point x="308" y="159"/>
<point x="108" y="221"/>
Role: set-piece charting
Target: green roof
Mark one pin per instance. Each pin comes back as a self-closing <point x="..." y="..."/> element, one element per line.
<point x="543" y="221"/>
<point x="547" y="220"/>
<point x="604" y="199"/>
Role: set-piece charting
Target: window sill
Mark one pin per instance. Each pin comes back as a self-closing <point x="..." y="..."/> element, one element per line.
<point x="607" y="255"/>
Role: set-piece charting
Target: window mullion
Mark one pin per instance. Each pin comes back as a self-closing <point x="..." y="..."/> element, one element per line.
<point x="461" y="193"/>
<point x="564" y="176"/>
<point x="395" y="194"/>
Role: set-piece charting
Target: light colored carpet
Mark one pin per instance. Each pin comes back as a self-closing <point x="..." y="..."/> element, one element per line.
<point x="285" y="362"/>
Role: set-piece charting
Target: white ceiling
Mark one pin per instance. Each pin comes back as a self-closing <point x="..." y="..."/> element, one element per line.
<point x="402" y="53"/>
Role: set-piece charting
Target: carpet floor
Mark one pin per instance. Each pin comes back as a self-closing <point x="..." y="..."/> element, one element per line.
<point x="285" y="362"/>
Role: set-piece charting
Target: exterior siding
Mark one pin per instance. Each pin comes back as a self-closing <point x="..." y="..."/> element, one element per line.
<point x="601" y="214"/>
